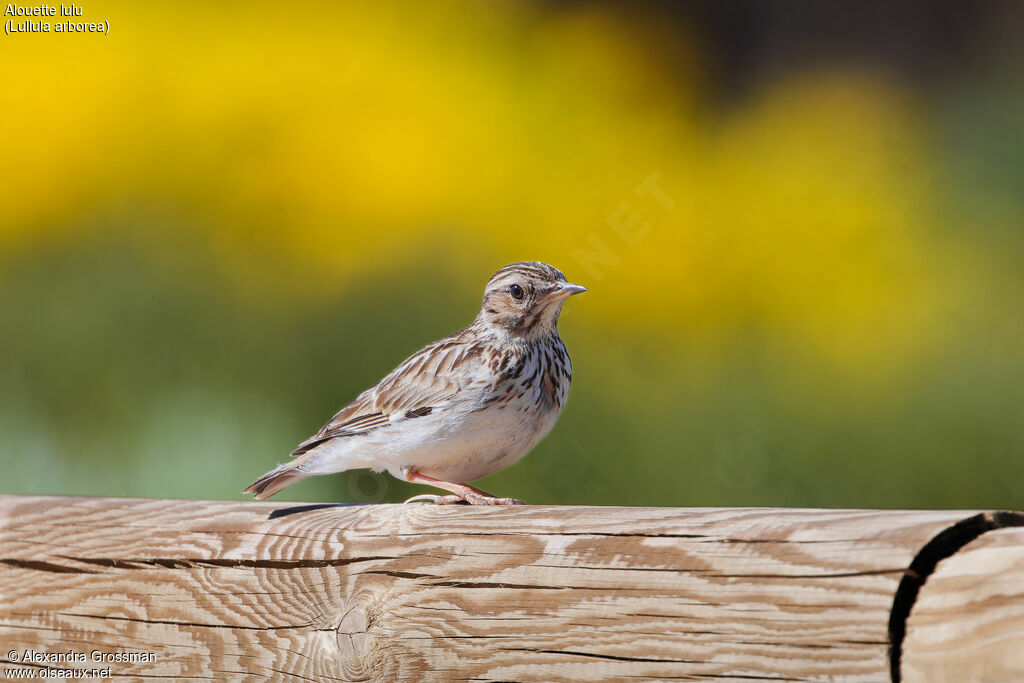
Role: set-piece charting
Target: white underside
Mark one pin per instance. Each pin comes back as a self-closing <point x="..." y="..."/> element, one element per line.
<point x="455" y="443"/>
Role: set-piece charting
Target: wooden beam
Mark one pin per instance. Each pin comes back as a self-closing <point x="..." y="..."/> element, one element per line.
<point x="539" y="593"/>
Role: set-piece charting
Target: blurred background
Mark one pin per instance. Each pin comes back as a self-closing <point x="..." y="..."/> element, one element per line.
<point x="802" y="227"/>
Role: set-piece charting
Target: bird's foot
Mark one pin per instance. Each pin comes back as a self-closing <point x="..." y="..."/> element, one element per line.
<point x="463" y="493"/>
<point x="468" y="499"/>
<point x="436" y="500"/>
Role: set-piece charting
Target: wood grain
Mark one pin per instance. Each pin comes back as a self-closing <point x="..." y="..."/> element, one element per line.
<point x="968" y="622"/>
<point x="535" y="593"/>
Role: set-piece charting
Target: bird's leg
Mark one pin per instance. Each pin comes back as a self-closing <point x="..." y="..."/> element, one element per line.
<point x="463" y="492"/>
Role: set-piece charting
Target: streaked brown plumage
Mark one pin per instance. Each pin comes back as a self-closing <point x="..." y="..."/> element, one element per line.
<point x="461" y="408"/>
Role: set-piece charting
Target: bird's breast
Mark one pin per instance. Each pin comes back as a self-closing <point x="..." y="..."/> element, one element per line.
<point x="491" y="423"/>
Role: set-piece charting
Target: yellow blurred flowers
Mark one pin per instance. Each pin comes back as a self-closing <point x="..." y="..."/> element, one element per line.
<point x="327" y="141"/>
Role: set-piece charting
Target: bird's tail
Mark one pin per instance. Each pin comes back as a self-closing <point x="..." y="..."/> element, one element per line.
<point x="277" y="480"/>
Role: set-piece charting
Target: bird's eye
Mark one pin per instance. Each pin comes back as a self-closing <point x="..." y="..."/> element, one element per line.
<point x="516" y="291"/>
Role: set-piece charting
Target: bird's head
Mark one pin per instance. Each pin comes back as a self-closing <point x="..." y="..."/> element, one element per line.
<point x="524" y="299"/>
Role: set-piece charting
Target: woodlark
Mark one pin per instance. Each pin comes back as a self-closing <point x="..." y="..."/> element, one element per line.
<point x="461" y="408"/>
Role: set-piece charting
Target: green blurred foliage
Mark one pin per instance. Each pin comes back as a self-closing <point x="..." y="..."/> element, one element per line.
<point x="209" y="246"/>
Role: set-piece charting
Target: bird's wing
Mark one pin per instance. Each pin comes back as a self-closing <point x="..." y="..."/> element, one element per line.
<point x="425" y="381"/>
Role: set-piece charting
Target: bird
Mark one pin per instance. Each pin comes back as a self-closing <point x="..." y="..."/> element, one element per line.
<point x="461" y="408"/>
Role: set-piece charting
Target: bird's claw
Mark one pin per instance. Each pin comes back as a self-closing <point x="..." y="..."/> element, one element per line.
<point x="470" y="499"/>
<point x="436" y="500"/>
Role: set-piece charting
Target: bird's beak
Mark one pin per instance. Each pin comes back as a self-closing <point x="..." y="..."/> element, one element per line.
<point x="563" y="291"/>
